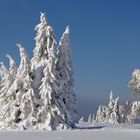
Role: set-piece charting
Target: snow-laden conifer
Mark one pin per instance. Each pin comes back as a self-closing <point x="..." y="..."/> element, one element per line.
<point x="52" y="113"/>
<point x="65" y="70"/>
<point x="134" y="84"/>
<point x="12" y="68"/>
<point x="90" y="118"/>
<point x="44" y="41"/>
<point x="110" y="113"/>
<point x="21" y="99"/>
<point x="7" y="79"/>
<point x="81" y="120"/>
<point x="101" y="114"/>
<point x="134" y="112"/>
<point x="4" y="76"/>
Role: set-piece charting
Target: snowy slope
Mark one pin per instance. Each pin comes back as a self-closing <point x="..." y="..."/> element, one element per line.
<point x="85" y="132"/>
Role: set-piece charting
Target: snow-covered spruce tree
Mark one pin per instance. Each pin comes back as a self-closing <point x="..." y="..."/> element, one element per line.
<point x="4" y="76"/>
<point x="81" y="120"/>
<point x="7" y="79"/>
<point x="125" y="111"/>
<point x="90" y="118"/>
<point x="135" y="112"/>
<point x="93" y="117"/>
<point x="110" y="114"/>
<point x="65" y="71"/>
<point x="12" y="69"/>
<point x="52" y="113"/>
<point x="101" y="114"/>
<point x="20" y="109"/>
<point x="44" y="41"/>
<point x="134" y="84"/>
<point x="4" y="86"/>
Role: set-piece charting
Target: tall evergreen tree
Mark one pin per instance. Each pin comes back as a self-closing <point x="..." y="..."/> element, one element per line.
<point x="134" y="84"/>
<point x="52" y="113"/>
<point x="65" y="70"/>
<point x="44" y="41"/>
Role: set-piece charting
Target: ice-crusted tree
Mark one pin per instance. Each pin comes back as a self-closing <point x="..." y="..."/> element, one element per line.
<point x="134" y="84"/>
<point x="4" y="86"/>
<point x="19" y="112"/>
<point x="52" y="112"/>
<point x="125" y="111"/>
<point x="111" y="113"/>
<point x="135" y="112"/>
<point x="4" y="76"/>
<point x="81" y="120"/>
<point x="12" y="69"/>
<point x="45" y="39"/>
<point x="130" y="112"/>
<point x="90" y="118"/>
<point x="65" y="71"/>
<point x="7" y="79"/>
<point x="101" y="114"/>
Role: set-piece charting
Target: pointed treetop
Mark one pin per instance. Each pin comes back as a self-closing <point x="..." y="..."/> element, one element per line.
<point x="21" y="50"/>
<point x="136" y="74"/>
<point x="111" y="95"/>
<point x="65" y="35"/>
<point x="43" y="18"/>
<point x="2" y="65"/>
<point x="3" y="69"/>
<point x="11" y="61"/>
<point x="67" y="30"/>
<point x="117" y="99"/>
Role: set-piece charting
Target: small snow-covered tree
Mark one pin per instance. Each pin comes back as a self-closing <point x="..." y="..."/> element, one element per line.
<point x="93" y="118"/>
<point x="90" y="118"/>
<point x="111" y="113"/>
<point x="81" y="120"/>
<point x="21" y="99"/>
<point x="134" y="113"/>
<point x="45" y="39"/>
<point x="101" y="114"/>
<point x="7" y="79"/>
<point x="4" y="76"/>
<point x="134" y="84"/>
<point x="65" y="71"/>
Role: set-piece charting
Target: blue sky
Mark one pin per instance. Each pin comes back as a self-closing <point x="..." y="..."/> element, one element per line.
<point x="105" y="40"/>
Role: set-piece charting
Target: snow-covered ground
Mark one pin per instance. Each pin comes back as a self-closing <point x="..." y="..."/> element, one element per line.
<point x="85" y="132"/>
